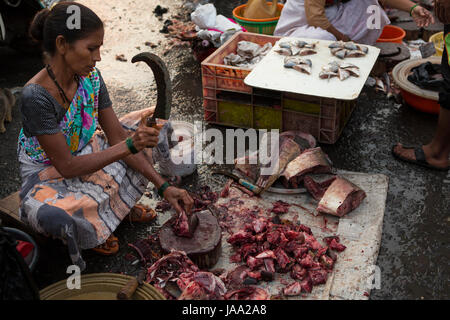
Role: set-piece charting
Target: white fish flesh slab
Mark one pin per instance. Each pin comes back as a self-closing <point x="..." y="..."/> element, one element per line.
<point x="341" y="197"/>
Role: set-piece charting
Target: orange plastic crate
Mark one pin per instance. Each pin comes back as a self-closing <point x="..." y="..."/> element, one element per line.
<point x="228" y="101"/>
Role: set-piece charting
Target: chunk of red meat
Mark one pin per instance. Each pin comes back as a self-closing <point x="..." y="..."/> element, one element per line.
<point x="297" y="272"/>
<point x="259" y="225"/>
<point x="283" y="240"/>
<point x="253" y="263"/>
<point x="266" y="254"/>
<point x="318" y="276"/>
<point x="235" y="278"/>
<point x="193" y="291"/>
<point x="280" y="207"/>
<point x="248" y="249"/>
<point x="181" y="226"/>
<point x="282" y="257"/>
<point x="313" y="188"/>
<point x="248" y="227"/>
<point x="311" y="242"/>
<point x="321" y="252"/>
<point x="337" y="246"/>
<point x="184" y="279"/>
<point x="299" y="252"/>
<point x="201" y="286"/>
<point x="273" y="237"/>
<point x="241" y="237"/>
<point x="326" y="262"/>
<point x="304" y="228"/>
<point x="211" y="283"/>
<point x="264" y="246"/>
<point x="317" y="189"/>
<point x="255" y="274"/>
<point x="330" y="238"/>
<point x="294" y="289"/>
<point x="260" y="237"/>
<point x="294" y="235"/>
<point x="306" y="285"/>
<point x="291" y="246"/>
<point x="307" y="262"/>
<point x="268" y="263"/>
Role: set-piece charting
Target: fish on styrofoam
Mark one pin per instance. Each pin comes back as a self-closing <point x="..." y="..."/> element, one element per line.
<point x="348" y="49"/>
<point x="298" y="63"/>
<point x="296" y="47"/>
<point x="342" y="70"/>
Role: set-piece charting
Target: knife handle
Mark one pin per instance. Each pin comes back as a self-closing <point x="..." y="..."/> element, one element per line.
<point x="153" y="123"/>
<point x="249" y="186"/>
<point x="128" y="290"/>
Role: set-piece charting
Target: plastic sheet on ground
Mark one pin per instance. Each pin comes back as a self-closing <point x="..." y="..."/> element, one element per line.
<point x="360" y="231"/>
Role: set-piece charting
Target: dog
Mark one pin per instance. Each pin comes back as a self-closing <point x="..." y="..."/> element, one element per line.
<point x="7" y="102"/>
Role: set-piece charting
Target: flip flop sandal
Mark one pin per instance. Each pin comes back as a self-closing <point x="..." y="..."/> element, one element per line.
<point x="140" y="213"/>
<point x="110" y="247"/>
<point x="420" y="158"/>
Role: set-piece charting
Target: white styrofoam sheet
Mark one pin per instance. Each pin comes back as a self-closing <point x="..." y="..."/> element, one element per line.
<point x="270" y="73"/>
<point x="360" y="231"/>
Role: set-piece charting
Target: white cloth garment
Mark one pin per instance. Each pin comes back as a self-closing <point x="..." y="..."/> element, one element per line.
<point x="349" y="18"/>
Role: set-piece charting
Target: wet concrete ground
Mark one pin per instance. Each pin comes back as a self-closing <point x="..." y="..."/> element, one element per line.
<point x="415" y="251"/>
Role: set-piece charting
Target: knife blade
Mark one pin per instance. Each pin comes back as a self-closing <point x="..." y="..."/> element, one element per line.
<point x="163" y="86"/>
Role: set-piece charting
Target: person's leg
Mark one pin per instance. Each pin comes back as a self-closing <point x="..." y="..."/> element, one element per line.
<point x="437" y="151"/>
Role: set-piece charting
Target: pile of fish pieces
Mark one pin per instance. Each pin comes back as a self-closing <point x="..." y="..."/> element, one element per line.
<point x="337" y="196"/>
<point x="252" y="171"/>
<point x="348" y="49"/>
<point x="296" y="48"/>
<point x="341" y="70"/>
<point x="247" y="55"/>
<point x="266" y="246"/>
<point x="298" y="63"/>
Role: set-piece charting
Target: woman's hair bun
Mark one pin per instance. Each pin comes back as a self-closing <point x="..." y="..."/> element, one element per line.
<point x="36" y="30"/>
